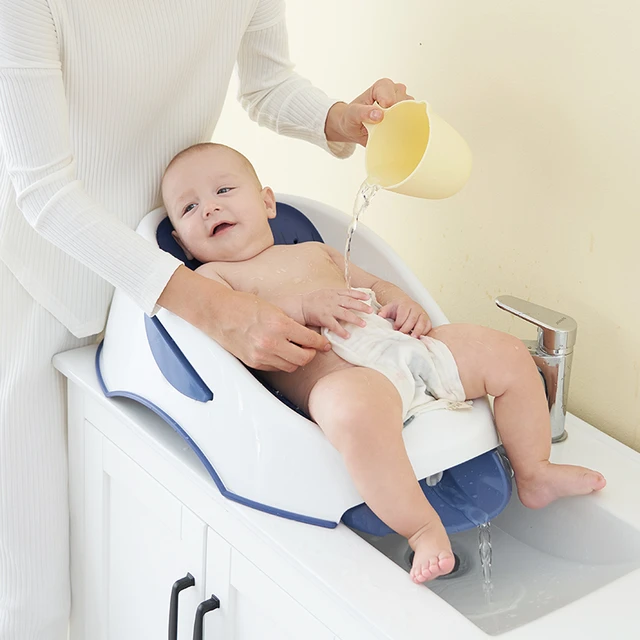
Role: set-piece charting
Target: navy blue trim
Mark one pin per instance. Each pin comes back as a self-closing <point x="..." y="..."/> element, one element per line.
<point x="212" y="472"/>
<point x="173" y="364"/>
<point x="468" y="495"/>
<point x="290" y="226"/>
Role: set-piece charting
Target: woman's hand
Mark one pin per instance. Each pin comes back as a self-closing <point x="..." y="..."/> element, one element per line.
<point x="408" y="316"/>
<point x="255" y="331"/>
<point x="325" y="307"/>
<point x="345" y="121"/>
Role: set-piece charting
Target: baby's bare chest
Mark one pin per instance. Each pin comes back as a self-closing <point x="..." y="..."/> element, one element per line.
<point x="284" y="269"/>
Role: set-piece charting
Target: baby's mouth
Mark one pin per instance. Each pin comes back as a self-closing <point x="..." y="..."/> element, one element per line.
<point x="221" y="227"/>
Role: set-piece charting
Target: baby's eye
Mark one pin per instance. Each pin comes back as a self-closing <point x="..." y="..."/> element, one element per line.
<point x="224" y="189"/>
<point x="188" y="208"/>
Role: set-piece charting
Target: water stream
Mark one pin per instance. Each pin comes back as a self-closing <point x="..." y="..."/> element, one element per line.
<point x="484" y="548"/>
<point x="365" y="194"/>
<point x="363" y="199"/>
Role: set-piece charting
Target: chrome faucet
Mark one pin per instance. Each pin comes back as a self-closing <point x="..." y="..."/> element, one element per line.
<point x="552" y="353"/>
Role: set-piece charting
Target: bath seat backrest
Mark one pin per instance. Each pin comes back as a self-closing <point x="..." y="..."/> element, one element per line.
<point x="290" y="226"/>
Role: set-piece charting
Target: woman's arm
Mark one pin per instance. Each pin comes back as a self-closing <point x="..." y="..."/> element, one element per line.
<point x="291" y="305"/>
<point x="35" y="143"/>
<point x="271" y="92"/>
<point x="277" y="97"/>
<point x="36" y="148"/>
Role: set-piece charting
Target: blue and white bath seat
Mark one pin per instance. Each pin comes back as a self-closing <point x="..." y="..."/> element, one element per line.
<point x="264" y="453"/>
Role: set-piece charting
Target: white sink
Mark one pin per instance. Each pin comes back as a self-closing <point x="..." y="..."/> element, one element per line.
<point x="545" y="559"/>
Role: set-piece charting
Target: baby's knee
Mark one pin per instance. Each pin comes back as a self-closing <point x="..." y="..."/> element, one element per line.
<point x="513" y="360"/>
<point x="346" y="422"/>
<point x="354" y="406"/>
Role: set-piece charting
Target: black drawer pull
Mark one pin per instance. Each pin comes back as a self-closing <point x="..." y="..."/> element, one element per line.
<point x="204" y="607"/>
<point x="178" y="586"/>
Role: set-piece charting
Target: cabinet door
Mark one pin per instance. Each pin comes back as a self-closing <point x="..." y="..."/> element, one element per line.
<point x="139" y="539"/>
<point x="253" y="607"/>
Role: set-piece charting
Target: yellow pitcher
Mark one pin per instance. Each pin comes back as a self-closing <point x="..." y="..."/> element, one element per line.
<point x="415" y="152"/>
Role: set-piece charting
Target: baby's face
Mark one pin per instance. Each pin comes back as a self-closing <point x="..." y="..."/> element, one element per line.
<point x="216" y="206"/>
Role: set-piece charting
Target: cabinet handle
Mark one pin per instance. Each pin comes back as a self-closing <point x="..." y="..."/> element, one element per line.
<point x="178" y="586"/>
<point x="204" y="607"/>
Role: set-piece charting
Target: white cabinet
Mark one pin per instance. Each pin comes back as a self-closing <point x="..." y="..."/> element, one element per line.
<point x="139" y="539"/>
<point x="145" y="513"/>
<point x="254" y="607"/>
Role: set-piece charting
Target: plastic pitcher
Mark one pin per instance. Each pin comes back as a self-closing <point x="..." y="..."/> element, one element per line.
<point x="415" y="152"/>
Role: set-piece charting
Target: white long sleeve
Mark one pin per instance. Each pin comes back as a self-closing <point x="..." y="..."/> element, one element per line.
<point x="95" y="99"/>
<point x="271" y="93"/>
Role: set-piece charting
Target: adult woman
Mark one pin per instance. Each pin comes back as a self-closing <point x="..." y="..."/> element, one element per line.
<point x="95" y="98"/>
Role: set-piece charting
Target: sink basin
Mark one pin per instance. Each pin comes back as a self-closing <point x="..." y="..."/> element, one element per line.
<point x="548" y="558"/>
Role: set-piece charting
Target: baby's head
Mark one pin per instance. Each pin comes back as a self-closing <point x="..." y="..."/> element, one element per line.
<point x="217" y="206"/>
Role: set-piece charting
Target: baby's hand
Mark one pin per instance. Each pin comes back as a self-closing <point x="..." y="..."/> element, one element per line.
<point x="324" y="307"/>
<point x="408" y="316"/>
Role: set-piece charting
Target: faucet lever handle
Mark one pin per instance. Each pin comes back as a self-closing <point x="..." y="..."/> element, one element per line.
<point x="556" y="331"/>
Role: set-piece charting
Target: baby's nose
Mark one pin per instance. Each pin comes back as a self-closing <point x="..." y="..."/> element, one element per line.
<point x="210" y="208"/>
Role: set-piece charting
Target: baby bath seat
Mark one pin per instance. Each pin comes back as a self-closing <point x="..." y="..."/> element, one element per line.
<point x="259" y="450"/>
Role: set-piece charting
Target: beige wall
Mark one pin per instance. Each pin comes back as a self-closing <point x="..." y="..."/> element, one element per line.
<point x="547" y="95"/>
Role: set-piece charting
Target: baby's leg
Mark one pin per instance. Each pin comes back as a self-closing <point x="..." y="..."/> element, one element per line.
<point x="360" y="412"/>
<point x="495" y="363"/>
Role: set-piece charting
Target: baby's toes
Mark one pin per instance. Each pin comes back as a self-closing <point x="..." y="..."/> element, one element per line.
<point x="446" y="562"/>
<point x="433" y="567"/>
<point x="422" y="573"/>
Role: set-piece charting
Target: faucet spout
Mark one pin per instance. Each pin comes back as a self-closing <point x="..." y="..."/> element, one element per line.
<point x="552" y="353"/>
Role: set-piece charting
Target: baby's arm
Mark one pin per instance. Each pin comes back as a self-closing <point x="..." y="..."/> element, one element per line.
<point x="407" y="315"/>
<point x="386" y="292"/>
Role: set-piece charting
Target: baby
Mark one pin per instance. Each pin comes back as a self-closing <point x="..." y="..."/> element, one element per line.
<point x="220" y="214"/>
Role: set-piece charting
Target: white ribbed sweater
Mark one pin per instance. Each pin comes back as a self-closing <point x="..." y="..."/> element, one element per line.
<point x="96" y="96"/>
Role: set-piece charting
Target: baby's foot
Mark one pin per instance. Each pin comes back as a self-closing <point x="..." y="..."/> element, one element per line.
<point x="551" y="481"/>
<point x="433" y="556"/>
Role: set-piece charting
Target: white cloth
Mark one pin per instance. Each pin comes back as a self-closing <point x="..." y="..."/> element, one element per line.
<point x="95" y="98"/>
<point x="423" y="370"/>
<point x="34" y="512"/>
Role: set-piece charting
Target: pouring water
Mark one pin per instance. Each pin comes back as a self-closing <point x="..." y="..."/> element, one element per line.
<point x="365" y="194"/>
<point x="486" y="555"/>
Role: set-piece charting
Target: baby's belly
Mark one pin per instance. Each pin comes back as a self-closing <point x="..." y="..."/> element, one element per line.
<point x="297" y="386"/>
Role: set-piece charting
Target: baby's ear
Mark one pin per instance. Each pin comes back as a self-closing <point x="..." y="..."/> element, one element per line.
<point x="176" y="237"/>
<point x="269" y="199"/>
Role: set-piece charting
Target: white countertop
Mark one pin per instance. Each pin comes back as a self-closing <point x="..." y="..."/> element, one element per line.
<point x="373" y="587"/>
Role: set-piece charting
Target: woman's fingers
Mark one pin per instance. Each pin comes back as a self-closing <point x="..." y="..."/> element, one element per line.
<point x="386" y="92"/>
<point x="282" y="354"/>
<point x="305" y="338"/>
<point x="291" y="356"/>
<point x="366" y="108"/>
<point x="273" y="341"/>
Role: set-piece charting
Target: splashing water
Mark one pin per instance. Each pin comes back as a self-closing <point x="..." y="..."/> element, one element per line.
<point x="365" y="193"/>
<point x="484" y="548"/>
